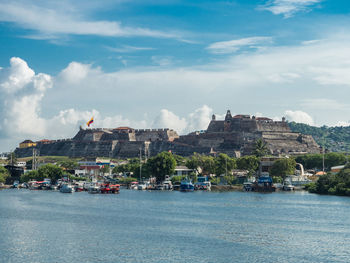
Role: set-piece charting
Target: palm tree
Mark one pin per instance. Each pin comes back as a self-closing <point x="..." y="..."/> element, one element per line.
<point x="260" y="148"/>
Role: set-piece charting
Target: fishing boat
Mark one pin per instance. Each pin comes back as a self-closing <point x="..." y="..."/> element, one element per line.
<point x="264" y="184"/>
<point x="186" y="186"/>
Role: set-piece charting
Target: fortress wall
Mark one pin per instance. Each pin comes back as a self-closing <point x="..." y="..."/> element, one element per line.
<point x="128" y="149"/>
<point x="277" y="126"/>
<point x="155" y="134"/>
<point x="216" y="126"/>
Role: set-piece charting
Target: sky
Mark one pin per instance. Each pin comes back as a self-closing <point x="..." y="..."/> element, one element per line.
<point x="169" y="64"/>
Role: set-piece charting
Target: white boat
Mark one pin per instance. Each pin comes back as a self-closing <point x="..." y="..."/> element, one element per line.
<point x="67" y="188"/>
<point x="287" y="186"/>
<point x="168" y="185"/>
<point x="94" y="189"/>
<point x="142" y="187"/>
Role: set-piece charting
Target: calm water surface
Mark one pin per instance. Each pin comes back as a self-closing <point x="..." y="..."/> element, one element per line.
<point x="137" y="226"/>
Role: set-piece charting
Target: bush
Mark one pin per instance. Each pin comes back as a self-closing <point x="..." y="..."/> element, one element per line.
<point x="215" y="180"/>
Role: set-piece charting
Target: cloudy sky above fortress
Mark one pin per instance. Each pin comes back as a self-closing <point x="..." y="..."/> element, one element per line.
<point x="169" y="63"/>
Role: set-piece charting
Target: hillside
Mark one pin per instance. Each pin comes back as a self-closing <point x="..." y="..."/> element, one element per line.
<point x="335" y="139"/>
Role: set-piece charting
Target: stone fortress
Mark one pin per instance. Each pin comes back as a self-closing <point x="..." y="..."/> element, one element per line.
<point x="235" y="136"/>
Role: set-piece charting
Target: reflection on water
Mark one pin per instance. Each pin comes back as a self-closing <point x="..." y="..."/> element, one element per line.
<point x="136" y="226"/>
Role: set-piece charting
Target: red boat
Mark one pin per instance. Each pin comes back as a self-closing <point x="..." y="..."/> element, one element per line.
<point x="109" y="188"/>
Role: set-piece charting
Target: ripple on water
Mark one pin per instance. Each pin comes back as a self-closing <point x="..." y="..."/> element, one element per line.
<point x="140" y="226"/>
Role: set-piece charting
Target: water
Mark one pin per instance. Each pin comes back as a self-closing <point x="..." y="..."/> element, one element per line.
<point x="137" y="226"/>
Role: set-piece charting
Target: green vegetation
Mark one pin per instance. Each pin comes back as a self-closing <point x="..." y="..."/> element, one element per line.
<point x="283" y="167"/>
<point x="335" y="139"/>
<point x="161" y="165"/>
<point x="260" y="148"/>
<point x="314" y="161"/>
<point x="224" y="164"/>
<point x="249" y="162"/>
<point x="50" y="171"/>
<point x="338" y="184"/>
<point x="68" y="164"/>
<point x="3" y="174"/>
<point x="126" y="180"/>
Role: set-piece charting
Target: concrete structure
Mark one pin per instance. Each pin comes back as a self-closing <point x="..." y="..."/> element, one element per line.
<point x="235" y="136"/>
<point x="27" y="143"/>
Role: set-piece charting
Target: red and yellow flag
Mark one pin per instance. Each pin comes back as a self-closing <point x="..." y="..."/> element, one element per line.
<point x="90" y="121"/>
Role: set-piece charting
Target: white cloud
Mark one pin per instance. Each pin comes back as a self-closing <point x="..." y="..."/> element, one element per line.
<point x="49" y="22"/>
<point x="17" y="76"/>
<point x="343" y="123"/>
<point x="225" y="47"/>
<point x="128" y="49"/>
<point x="288" y="8"/>
<point x="75" y="72"/>
<point x="299" y="117"/>
<point x="199" y="119"/>
<point x="167" y="119"/>
<point x="324" y="104"/>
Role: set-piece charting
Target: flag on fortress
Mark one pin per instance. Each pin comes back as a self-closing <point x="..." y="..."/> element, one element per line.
<point x="90" y="121"/>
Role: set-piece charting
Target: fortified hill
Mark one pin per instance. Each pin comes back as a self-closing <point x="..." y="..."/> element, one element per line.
<point x="235" y="135"/>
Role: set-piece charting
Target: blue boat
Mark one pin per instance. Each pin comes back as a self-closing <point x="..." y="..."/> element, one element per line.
<point x="186" y="186"/>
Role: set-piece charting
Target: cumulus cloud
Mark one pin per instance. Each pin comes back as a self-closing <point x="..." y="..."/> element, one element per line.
<point x="226" y="47"/>
<point x="17" y="76"/>
<point x="168" y="119"/>
<point x="288" y="8"/>
<point x="22" y="92"/>
<point x="299" y="117"/>
<point x="199" y="119"/>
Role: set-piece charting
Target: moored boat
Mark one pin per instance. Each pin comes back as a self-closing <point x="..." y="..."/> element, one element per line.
<point x="186" y="186"/>
<point x="67" y="188"/>
<point x="264" y="184"/>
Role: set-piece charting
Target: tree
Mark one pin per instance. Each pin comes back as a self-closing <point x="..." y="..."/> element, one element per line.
<point x="161" y="165"/>
<point x="208" y="165"/>
<point x="224" y="164"/>
<point x="249" y="162"/>
<point x="260" y="148"/>
<point x="180" y="160"/>
<point x="4" y="173"/>
<point x="50" y="171"/>
<point x="194" y="162"/>
<point x="334" y="159"/>
<point x="283" y="167"/>
<point x="68" y="164"/>
<point x="105" y="169"/>
<point x="31" y="175"/>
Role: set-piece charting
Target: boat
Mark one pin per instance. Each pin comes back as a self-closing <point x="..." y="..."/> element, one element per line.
<point x="94" y="189"/>
<point x="67" y="188"/>
<point x="142" y="187"/>
<point x="202" y="184"/>
<point x="264" y="184"/>
<point x="167" y="184"/>
<point x="15" y="184"/>
<point x="247" y="186"/>
<point x="109" y="188"/>
<point x="134" y="185"/>
<point x="287" y="186"/>
<point x="186" y="186"/>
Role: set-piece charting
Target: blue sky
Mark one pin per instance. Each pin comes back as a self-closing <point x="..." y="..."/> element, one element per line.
<point x="169" y="63"/>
